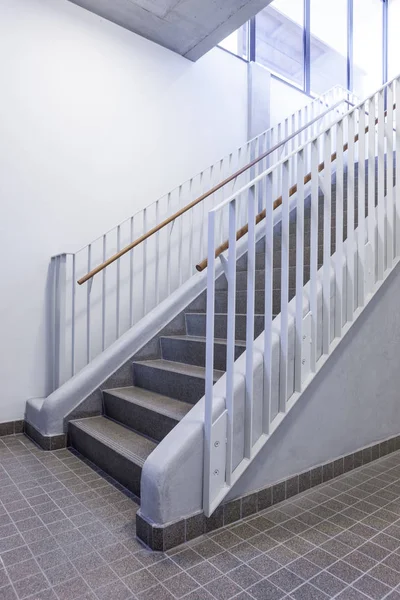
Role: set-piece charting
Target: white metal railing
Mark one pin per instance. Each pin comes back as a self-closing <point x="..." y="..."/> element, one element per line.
<point x="356" y="153"/>
<point x="88" y="319"/>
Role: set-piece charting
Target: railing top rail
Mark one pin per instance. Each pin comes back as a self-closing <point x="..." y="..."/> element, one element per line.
<point x="203" y="264"/>
<point x="295" y="152"/>
<point x="206" y="195"/>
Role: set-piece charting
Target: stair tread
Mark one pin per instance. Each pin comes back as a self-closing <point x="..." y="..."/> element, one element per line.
<point x="164" y="405"/>
<point x="176" y="367"/>
<point x="126" y="442"/>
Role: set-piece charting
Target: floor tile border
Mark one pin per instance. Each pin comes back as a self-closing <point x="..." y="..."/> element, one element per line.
<point x="163" y="538"/>
<point x="46" y="442"/>
<point x="11" y="428"/>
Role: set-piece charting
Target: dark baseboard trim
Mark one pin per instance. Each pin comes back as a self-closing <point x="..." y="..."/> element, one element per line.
<point x="11" y="428"/>
<point x="162" y="538"/>
<point x="46" y="442"/>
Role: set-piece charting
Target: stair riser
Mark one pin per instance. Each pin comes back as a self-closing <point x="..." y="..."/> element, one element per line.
<point x="194" y="352"/>
<point x="196" y="325"/>
<point x="277" y="258"/>
<point x="119" y="467"/>
<point x="221" y="301"/>
<point x="176" y="385"/>
<point x="137" y="417"/>
<point x="241" y="279"/>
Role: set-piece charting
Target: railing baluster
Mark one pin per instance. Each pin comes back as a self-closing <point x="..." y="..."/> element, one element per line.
<point x="361" y="208"/>
<point x="73" y="309"/>
<point x="284" y="346"/>
<point x="209" y="384"/>
<point x="144" y="270"/>
<point x="88" y="348"/>
<point x="339" y="232"/>
<point x="326" y="284"/>
<point x="299" y="271"/>
<point x="371" y="183"/>
<point x="103" y="297"/>
<point x="157" y="257"/>
<point x="131" y="275"/>
<point x="251" y="267"/>
<point x="268" y="300"/>
<point x="350" y="219"/>
<point x="397" y="189"/>
<point x="118" y="285"/>
<point x="231" y="336"/>
<point x="381" y="185"/>
<point x="314" y="251"/>
<point x="389" y="179"/>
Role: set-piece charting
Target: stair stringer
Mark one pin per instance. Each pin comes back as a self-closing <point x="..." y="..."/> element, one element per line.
<point x="172" y="476"/>
<point x="47" y="415"/>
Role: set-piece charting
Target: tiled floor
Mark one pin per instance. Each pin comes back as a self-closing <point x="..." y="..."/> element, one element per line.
<point x="66" y="533"/>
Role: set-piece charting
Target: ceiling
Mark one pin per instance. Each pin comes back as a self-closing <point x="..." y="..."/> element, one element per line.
<point x="189" y="27"/>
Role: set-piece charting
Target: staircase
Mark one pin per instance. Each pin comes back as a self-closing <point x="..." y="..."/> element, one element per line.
<point x="163" y="390"/>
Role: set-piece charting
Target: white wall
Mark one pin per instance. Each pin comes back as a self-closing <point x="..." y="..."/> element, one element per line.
<point x="95" y="123"/>
<point x="285" y="100"/>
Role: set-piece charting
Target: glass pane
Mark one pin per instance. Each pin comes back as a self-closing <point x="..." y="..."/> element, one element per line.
<point x="367" y="46"/>
<point x="279" y="39"/>
<point x="237" y="42"/>
<point x="328" y="44"/>
<point x="394" y="40"/>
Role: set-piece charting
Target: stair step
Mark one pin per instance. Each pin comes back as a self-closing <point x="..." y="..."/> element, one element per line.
<point x="277" y="258"/>
<point x="192" y="350"/>
<point x="183" y="382"/>
<point x="144" y="411"/>
<point x="221" y="300"/>
<point x="196" y="325"/>
<point x="241" y="279"/>
<point x="116" y="449"/>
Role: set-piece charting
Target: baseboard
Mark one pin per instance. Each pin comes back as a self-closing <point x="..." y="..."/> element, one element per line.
<point x="46" y="442"/>
<point x="11" y="428"/>
<point x="162" y="538"/>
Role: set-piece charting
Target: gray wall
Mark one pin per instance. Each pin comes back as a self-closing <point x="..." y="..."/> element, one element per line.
<point x="353" y="401"/>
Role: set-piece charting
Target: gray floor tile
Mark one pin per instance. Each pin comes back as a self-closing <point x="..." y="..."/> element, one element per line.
<point x="264" y="565"/>
<point x="140" y="581"/>
<point x="7" y="593"/>
<point x="286" y="580"/>
<point x="159" y="592"/>
<point x="308" y="592"/>
<point x="386" y="575"/>
<point x="101" y="576"/>
<point x="223" y="588"/>
<point x="345" y="571"/>
<point x="126" y="566"/>
<point x="115" y="591"/>
<point x="351" y="594"/>
<point x="245" y="576"/>
<point x="303" y="568"/>
<point x="31" y="585"/>
<point x="225" y="561"/>
<point x="181" y="584"/>
<point x="23" y="569"/>
<point x="202" y="594"/>
<point x="328" y="583"/>
<point x="205" y="572"/>
<point x="71" y="589"/>
<point x="371" y="587"/>
<point x="164" y="569"/>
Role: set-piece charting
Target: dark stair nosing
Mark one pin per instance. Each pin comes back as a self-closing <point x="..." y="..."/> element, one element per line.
<point x="164" y="405"/>
<point x="91" y="428"/>
<point x="177" y="367"/>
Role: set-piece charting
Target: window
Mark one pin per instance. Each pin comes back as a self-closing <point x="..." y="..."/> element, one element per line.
<point x="367" y="46"/>
<point x="328" y="24"/>
<point x="238" y="42"/>
<point x="394" y="40"/>
<point x="279" y="39"/>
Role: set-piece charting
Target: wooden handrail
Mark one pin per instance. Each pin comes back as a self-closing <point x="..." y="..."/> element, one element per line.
<point x="210" y="192"/>
<point x="243" y="230"/>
